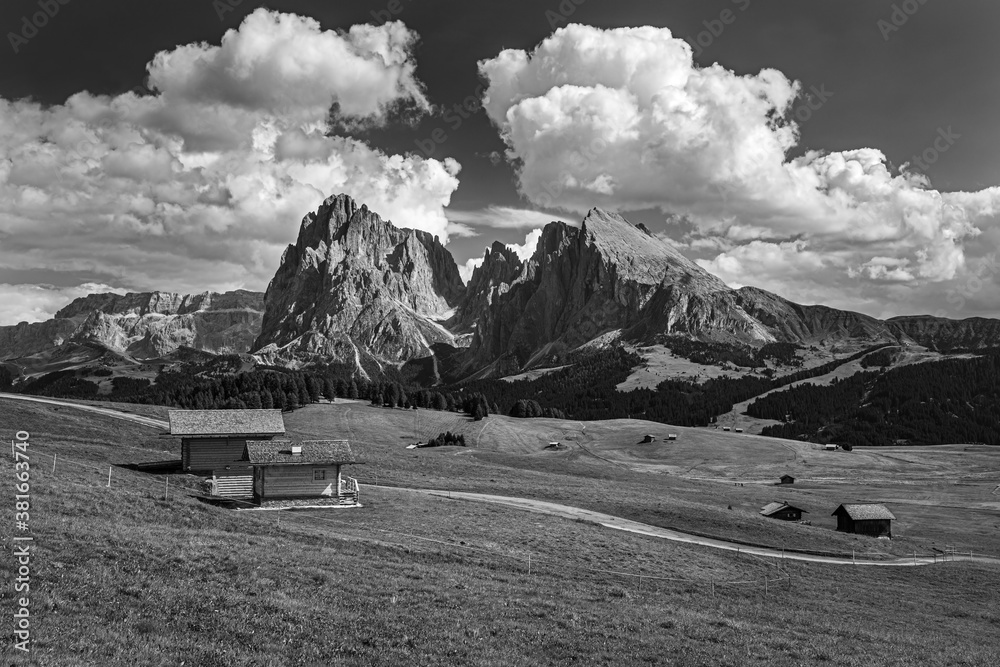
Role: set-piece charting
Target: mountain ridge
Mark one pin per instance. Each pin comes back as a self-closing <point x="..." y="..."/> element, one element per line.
<point x="357" y="290"/>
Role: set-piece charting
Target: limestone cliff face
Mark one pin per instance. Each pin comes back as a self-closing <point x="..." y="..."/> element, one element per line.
<point x="355" y="288"/>
<point x="145" y="325"/>
<point x="21" y="340"/>
<point x="608" y="276"/>
<point x="489" y="282"/>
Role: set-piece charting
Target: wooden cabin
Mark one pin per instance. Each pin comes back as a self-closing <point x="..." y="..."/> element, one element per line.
<point x="782" y="511"/>
<point x="671" y="436"/>
<point x="649" y="438"/>
<point x="873" y="520"/>
<point x="284" y="470"/>
<point x="787" y="479"/>
<point x="829" y="447"/>
<point x="213" y="443"/>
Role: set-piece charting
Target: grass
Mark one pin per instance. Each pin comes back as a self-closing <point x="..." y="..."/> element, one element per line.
<point x="123" y="577"/>
<point x="688" y="484"/>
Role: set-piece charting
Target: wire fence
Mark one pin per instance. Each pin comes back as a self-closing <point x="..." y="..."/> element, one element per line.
<point x="516" y="559"/>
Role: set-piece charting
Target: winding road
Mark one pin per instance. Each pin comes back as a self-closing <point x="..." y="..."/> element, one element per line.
<point x="107" y="412"/>
<point x="556" y="509"/>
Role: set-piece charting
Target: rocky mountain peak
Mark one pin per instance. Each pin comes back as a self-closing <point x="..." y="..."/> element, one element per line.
<point x="354" y="286"/>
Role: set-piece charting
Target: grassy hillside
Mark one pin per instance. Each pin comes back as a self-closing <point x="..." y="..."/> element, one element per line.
<point x="942" y="496"/>
<point x="122" y="576"/>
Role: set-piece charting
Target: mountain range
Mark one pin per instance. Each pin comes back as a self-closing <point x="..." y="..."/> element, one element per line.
<point x="356" y="290"/>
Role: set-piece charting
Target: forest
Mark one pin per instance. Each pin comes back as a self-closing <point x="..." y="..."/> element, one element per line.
<point x="952" y="401"/>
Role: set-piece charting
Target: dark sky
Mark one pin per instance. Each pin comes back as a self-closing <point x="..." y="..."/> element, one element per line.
<point x="937" y="70"/>
<point x="890" y="90"/>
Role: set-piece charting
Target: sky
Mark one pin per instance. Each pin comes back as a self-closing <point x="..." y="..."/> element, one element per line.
<point x="839" y="153"/>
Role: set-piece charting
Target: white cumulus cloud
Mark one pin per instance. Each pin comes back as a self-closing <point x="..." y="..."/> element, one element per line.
<point x="625" y="119"/>
<point x="200" y="184"/>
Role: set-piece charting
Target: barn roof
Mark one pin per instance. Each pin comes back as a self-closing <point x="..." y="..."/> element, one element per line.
<point x="865" y="512"/>
<point x="774" y="508"/>
<point x="314" y="452"/>
<point x="226" y="422"/>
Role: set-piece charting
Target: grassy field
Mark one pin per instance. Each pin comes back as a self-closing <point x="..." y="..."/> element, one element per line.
<point x="942" y="496"/>
<point x="122" y="576"/>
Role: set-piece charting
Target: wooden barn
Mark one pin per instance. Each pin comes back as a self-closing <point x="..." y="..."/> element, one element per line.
<point x="787" y="479"/>
<point x="285" y="470"/>
<point x="873" y="520"/>
<point x="213" y="443"/>
<point x="782" y="511"/>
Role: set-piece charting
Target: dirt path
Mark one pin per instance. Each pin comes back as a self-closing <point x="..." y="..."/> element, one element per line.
<point x="618" y="523"/>
<point x="107" y="412"/>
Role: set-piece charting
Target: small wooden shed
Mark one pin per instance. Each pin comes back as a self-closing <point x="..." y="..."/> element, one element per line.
<point x="867" y="519"/>
<point x="783" y="511"/>
<point x="671" y="436"/>
<point x="284" y="470"/>
<point x="213" y="439"/>
<point x="213" y="443"/>
<point x="649" y="438"/>
<point x="787" y="479"/>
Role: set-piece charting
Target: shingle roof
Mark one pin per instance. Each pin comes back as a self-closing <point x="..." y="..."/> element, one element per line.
<point x="773" y="508"/>
<point x="223" y="422"/>
<point x="866" y="512"/>
<point x="266" y="452"/>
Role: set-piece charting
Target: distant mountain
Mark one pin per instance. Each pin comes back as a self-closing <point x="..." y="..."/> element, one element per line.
<point x="144" y="325"/>
<point x="358" y="290"/>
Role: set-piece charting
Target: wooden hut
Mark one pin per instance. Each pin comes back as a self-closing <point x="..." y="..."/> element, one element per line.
<point x="783" y="511"/>
<point x="213" y="443"/>
<point x="671" y="436"/>
<point x="285" y="470"/>
<point x="649" y="438"/>
<point x="787" y="479"/>
<point x="871" y="519"/>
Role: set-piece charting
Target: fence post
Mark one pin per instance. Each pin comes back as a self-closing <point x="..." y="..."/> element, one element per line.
<point x="109" y="476"/>
<point x="54" y="463"/>
<point x="640" y="583"/>
<point x="529" y="562"/>
<point x="166" y="483"/>
<point x="713" y="588"/>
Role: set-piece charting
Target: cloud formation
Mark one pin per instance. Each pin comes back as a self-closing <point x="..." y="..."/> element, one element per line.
<point x="624" y="119"/>
<point x="201" y="183"/>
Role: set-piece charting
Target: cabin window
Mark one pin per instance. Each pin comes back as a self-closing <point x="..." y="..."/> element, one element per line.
<point x="319" y="475"/>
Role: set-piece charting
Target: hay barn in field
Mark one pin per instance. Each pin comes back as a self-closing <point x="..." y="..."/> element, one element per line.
<point x="873" y="520"/>
<point x="213" y="443"/>
<point x="787" y="479"/>
<point x="285" y="470"/>
<point x="782" y="511"/>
